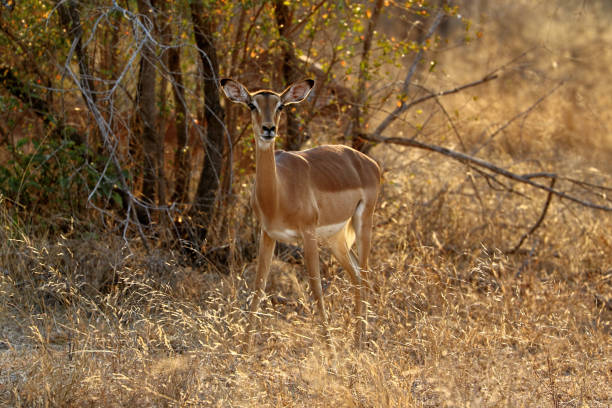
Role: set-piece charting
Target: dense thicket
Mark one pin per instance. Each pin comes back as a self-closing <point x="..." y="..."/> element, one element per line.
<point x="115" y="106"/>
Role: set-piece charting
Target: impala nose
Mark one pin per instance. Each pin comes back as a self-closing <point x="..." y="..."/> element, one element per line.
<point x="268" y="132"/>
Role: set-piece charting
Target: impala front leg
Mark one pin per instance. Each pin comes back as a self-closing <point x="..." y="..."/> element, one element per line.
<point x="311" y="258"/>
<point x="264" y="259"/>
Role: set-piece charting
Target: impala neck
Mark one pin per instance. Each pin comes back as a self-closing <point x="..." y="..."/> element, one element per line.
<point x="266" y="183"/>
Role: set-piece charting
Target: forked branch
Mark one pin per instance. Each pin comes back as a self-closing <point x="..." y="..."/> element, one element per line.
<point x="535" y="226"/>
<point x="474" y="161"/>
<point x="403" y="106"/>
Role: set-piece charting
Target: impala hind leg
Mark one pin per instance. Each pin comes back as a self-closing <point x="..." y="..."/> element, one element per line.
<point x="362" y="223"/>
<point x="340" y="246"/>
<point x="264" y="259"/>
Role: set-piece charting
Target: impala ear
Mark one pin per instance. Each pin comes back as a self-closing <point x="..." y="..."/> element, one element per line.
<point x="297" y="92"/>
<point x="235" y="91"/>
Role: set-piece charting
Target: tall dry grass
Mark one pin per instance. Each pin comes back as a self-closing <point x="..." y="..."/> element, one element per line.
<point x="455" y="320"/>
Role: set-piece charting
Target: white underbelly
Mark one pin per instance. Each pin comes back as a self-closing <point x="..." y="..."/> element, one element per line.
<point x="327" y="231"/>
<point x="289" y="235"/>
<point x="285" y="235"/>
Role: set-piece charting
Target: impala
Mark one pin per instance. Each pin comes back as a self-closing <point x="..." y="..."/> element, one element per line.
<point x="324" y="194"/>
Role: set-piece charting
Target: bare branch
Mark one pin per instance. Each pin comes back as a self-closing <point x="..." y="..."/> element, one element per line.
<point x="358" y="103"/>
<point x="540" y="219"/>
<point x="393" y="115"/>
<point x="250" y="29"/>
<point x="517" y="116"/>
<point x="404" y="107"/>
<point x="419" y="56"/>
<point x="470" y="160"/>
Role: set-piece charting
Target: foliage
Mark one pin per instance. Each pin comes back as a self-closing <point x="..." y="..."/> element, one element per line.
<point x="59" y="50"/>
<point x="45" y="176"/>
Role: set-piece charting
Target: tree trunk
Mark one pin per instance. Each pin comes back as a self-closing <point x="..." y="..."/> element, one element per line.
<point x="360" y="104"/>
<point x="208" y="185"/>
<point x="182" y="165"/>
<point x="172" y="61"/>
<point x="147" y="112"/>
<point x="71" y="20"/>
<point x="294" y="137"/>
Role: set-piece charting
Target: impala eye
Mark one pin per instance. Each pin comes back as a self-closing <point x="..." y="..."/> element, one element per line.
<point x="280" y="107"/>
<point x="251" y="106"/>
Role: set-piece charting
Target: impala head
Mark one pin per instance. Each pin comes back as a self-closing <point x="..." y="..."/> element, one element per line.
<point x="266" y="106"/>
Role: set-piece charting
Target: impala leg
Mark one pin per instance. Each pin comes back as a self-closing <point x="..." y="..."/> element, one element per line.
<point x="340" y="248"/>
<point x="264" y="259"/>
<point x="362" y="222"/>
<point x="311" y="258"/>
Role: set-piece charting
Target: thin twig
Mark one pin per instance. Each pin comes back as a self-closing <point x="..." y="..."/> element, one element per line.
<point x="519" y="115"/>
<point x="249" y="30"/>
<point x="535" y="226"/>
<point x="404" y="107"/>
<point x="551" y="383"/>
<point x="450" y="120"/>
<point x="105" y="131"/>
<point x="494" y="74"/>
<point x="296" y="29"/>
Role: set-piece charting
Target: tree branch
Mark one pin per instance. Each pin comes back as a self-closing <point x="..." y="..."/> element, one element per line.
<point x="517" y="116"/>
<point x="539" y="221"/>
<point x="404" y="107"/>
<point x="296" y="29"/>
<point x="474" y="161"/>
<point x="359" y="105"/>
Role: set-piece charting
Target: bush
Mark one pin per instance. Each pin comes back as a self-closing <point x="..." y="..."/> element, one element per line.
<point x="55" y="176"/>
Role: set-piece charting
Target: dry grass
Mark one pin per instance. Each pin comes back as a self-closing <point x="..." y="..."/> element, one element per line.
<point x="454" y="322"/>
<point x="447" y="328"/>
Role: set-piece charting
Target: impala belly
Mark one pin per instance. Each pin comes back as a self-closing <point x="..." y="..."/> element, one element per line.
<point x="288" y="235"/>
<point x="285" y="234"/>
<point x="326" y="231"/>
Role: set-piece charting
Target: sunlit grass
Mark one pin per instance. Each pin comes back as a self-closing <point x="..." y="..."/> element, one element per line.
<point x="455" y="321"/>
